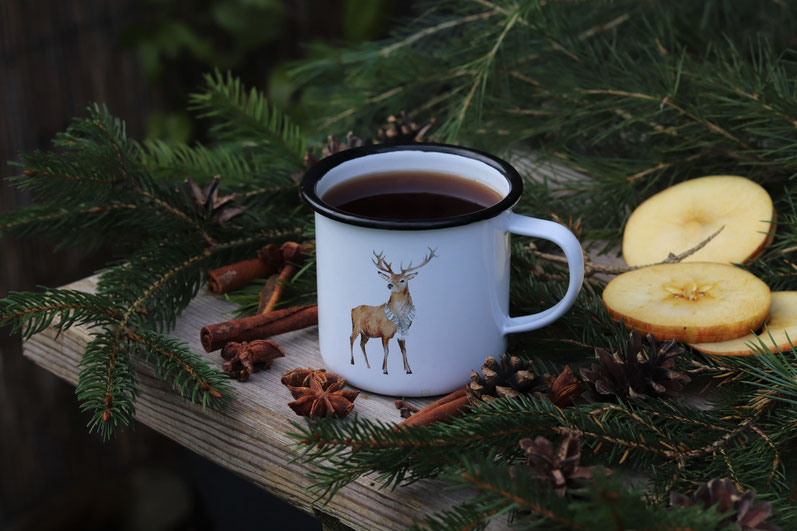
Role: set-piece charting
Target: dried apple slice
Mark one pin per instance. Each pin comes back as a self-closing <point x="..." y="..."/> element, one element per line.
<point x="696" y="302"/>
<point x="680" y="217"/>
<point x="781" y="324"/>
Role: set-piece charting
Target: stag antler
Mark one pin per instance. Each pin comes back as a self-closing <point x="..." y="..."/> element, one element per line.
<point x="381" y="265"/>
<point x="425" y="261"/>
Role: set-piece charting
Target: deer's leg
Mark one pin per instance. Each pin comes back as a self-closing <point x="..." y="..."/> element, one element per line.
<point x="384" y="346"/>
<point x="403" y="348"/>
<point x="351" y="344"/>
<point x="363" y="341"/>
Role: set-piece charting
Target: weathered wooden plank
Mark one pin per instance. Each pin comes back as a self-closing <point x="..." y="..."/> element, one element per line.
<point x="249" y="436"/>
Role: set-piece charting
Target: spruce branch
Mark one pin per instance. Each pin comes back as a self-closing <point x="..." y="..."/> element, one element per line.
<point x="240" y="116"/>
<point x="179" y="161"/>
<point x="173" y="288"/>
<point x="608" y="504"/>
<point x="30" y="313"/>
<point x="107" y="384"/>
<point x="182" y="216"/>
<point x="666" y="101"/>
<point x="657" y="437"/>
<point x="43" y="219"/>
<point x="468" y="516"/>
<point x="174" y="362"/>
<point x="113" y="185"/>
<point x="351" y="111"/>
<point x="774" y="373"/>
<point x="478" y="481"/>
<point x="428" y="32"/>
<point x="482" y="67"/>
<point x="638" y="96"/>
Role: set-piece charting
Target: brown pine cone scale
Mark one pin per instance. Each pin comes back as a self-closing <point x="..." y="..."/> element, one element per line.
<point x="508" y="377"/>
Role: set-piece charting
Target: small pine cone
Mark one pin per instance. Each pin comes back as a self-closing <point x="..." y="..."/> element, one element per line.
<point x="564" y="388"/>
<point x="402" y="130"/>
<point x="561" y="468"/>
<point x="646" y="369"/>
<point x="334" y="145"/>
<point x="746" y="514"/>
<point x="509" y="377"/>
<point x="209" y="205"/>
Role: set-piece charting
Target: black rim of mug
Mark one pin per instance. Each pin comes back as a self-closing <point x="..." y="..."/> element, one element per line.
<point x="317" y="172"/>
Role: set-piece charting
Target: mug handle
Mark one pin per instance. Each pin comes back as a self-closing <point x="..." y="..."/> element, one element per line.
<point x="565" y="239"/>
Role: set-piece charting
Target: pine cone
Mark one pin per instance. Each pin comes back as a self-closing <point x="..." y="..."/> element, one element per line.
<point x="334" y="145"/>
<point x="722" y="493"/>
<point x="398" y="130"/>
<point x="645" y="370"/>
<point x="561" y="468"/>
<point x="209" y="205"/>
<point x="508" y="378"/>
<point x="564" y="388"/>
<point x="402" y="130"/>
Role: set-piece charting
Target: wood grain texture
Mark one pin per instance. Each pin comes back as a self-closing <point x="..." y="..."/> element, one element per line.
<point x="249" y="436"/>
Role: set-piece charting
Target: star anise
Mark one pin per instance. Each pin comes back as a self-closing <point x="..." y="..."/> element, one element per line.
<point x="209" y="205"/>
<point x="303" y="377"/>
<point x="315" y="401"/>
<point x="743" y="512"/>
<point x="561" y="468"/>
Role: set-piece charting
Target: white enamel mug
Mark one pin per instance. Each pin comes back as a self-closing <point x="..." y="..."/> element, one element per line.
<point x="418" y="329"/>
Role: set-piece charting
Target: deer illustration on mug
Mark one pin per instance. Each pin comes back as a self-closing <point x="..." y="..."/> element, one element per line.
<point x="393" y="318"/>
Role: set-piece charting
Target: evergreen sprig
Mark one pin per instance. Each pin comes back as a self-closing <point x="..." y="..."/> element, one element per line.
<point x="30" y="313"/>
<point x="644" y="435"/>
<point x="608" y="504"/>
<point x="239" y="115"/>
<point x="97" y="187"/>
<point x="636" y="95"/>
<point x="630" y="96"/>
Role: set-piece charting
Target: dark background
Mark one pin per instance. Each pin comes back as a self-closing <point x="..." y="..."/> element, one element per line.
<point x="141" y="58"/>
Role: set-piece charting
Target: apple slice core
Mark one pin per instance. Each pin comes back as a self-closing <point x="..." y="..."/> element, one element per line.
<point x="781" y="324"/>
<point x="696" y="302"/>
<point x="682" y="216"/>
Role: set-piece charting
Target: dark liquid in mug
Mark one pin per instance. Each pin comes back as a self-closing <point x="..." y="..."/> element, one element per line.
<point x="410" y="195"/>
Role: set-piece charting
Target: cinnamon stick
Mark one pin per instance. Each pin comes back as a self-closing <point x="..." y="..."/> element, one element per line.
<point x="230" y="277"/>
<point x="272" y="257"/>
<point x="293" y="253"/>
<point x="296" y="253"/>
<point x="261" y="326"/>
<point x="267" y="293"/>
<point x="451" y="405"/>
<point x="235" y="275"/>
<point x="284" y="277"/>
